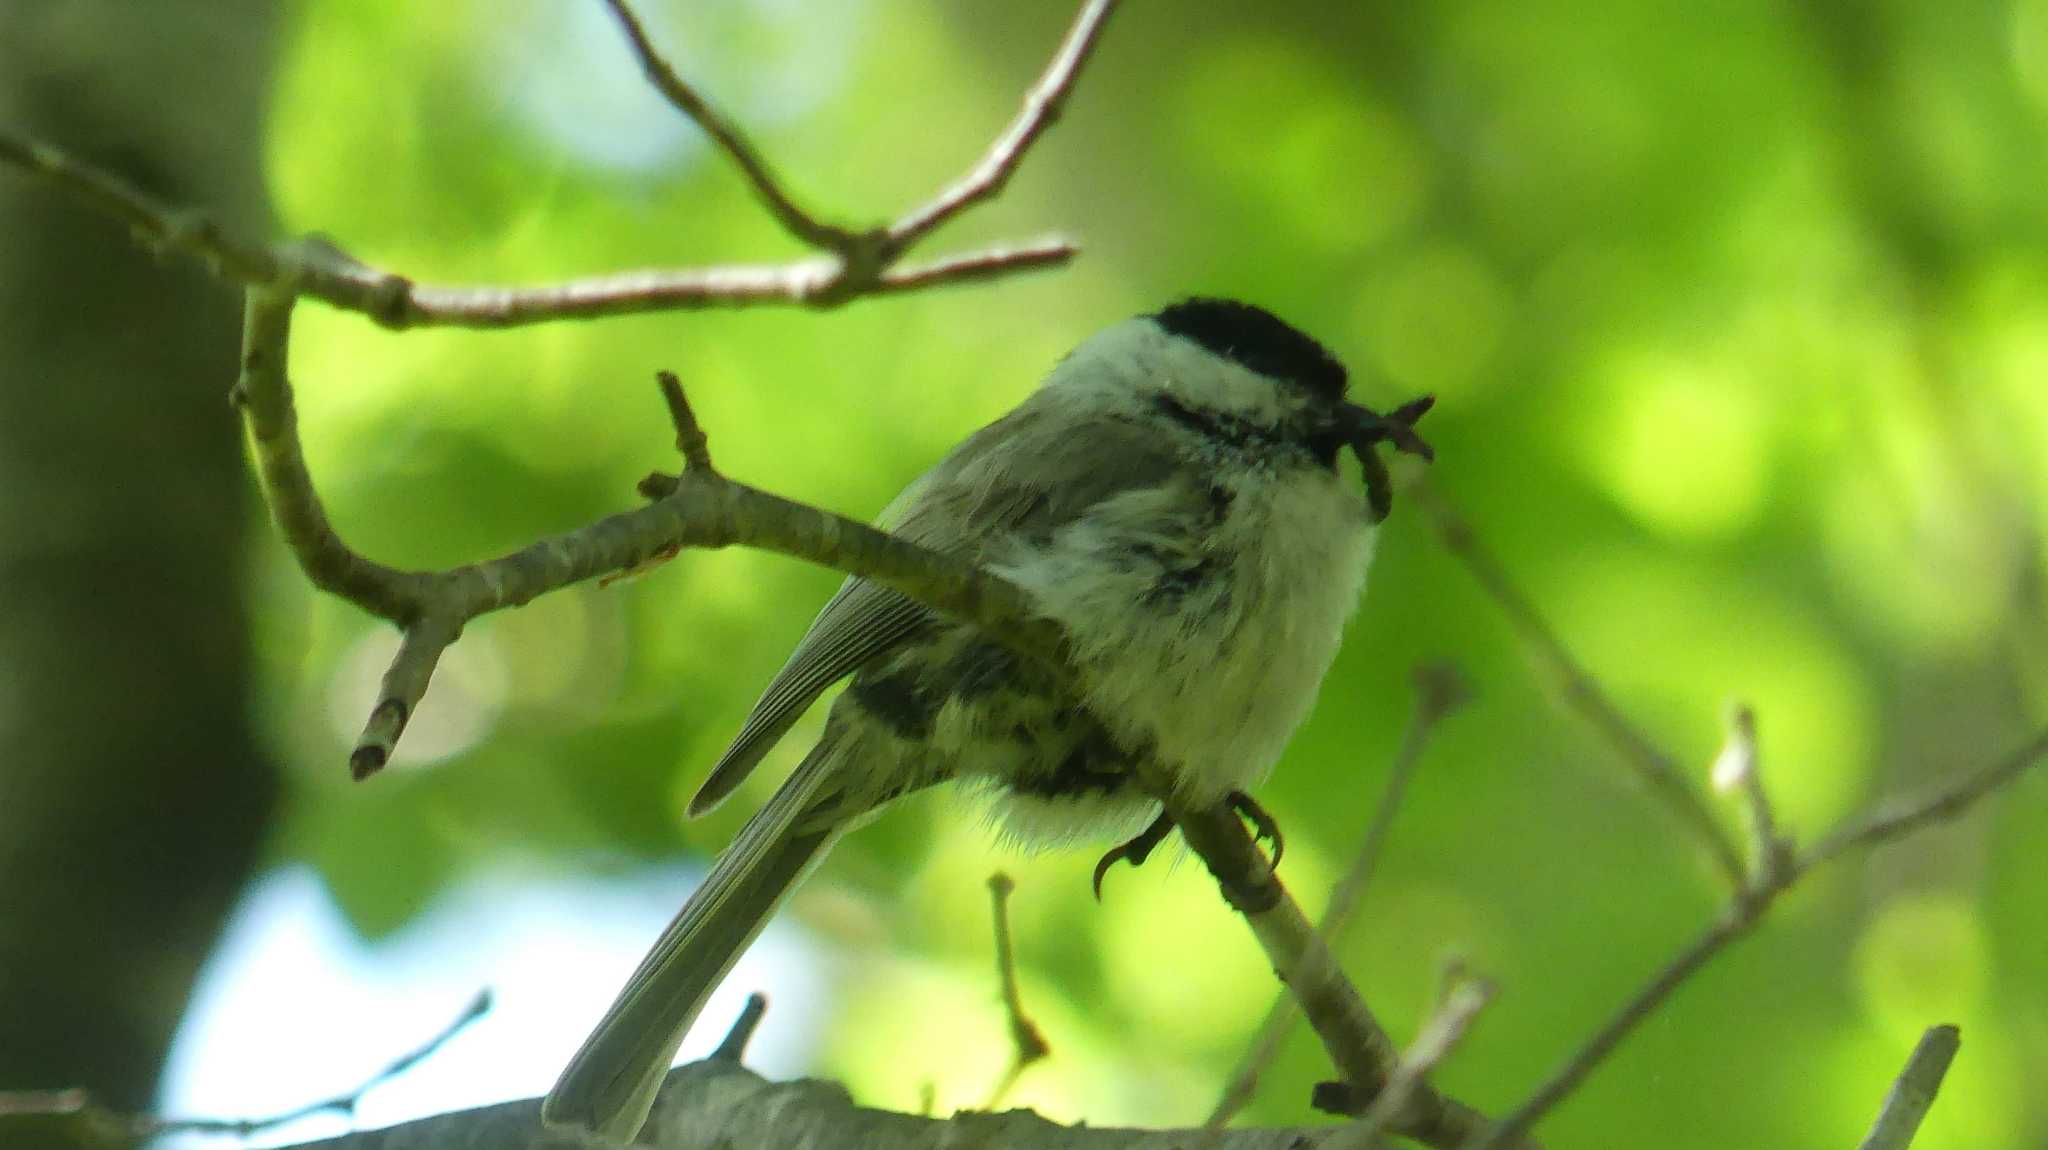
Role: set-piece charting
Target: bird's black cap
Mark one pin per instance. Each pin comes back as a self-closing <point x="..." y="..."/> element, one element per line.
<point x="1259" y="340"/>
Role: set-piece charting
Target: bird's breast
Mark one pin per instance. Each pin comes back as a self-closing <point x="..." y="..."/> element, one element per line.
<point x="1204" y="615"/>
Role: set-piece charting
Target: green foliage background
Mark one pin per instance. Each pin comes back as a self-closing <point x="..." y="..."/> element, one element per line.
<point x="1738" y="319"/>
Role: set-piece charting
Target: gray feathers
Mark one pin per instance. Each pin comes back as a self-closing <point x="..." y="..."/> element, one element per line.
<point x="1162" y="497"/>
<point x="1043" y="477"/>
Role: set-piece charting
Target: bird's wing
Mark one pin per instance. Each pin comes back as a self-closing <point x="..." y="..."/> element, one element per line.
<point x="862" y="621"/>
<point x="1044" y="477"/>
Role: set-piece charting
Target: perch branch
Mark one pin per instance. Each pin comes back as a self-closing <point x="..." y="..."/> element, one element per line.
<point x="697" y="508"/>
<point x="1913" y="1092"/>
<point x="1747" y="908"/>
<point x="1656" y="769"/>
<point x="1439" y="690"/>
<point x="1357" y="1044"/>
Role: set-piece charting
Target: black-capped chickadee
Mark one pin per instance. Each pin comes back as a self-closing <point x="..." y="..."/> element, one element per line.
<point x="1171" y="496"/>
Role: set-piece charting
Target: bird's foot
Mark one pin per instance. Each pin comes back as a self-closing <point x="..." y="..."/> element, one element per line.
<point x="1264" y="827"/>
<point x="1136" y="851"/>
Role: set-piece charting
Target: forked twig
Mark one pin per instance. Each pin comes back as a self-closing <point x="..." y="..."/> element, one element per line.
<point x="1747" y="908"/>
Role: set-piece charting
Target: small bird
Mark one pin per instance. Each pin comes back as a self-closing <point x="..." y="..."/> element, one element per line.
<point x="1170" y="495"/>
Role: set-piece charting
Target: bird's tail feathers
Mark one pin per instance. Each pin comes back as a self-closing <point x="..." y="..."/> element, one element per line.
<point x="609" y="1086"/>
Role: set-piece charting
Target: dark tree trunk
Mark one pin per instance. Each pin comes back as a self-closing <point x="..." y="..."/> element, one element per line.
<point x="133" y="801"/>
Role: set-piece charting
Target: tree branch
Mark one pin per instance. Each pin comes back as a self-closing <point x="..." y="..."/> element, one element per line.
<point x="1913" y="1091"/>
<point x="1357" y="1044"/>
<point x="1747" y="908"/>
<point x="851" y="263"/>
<point x="1439" y="690"/>
<point x="1653" y="766"/>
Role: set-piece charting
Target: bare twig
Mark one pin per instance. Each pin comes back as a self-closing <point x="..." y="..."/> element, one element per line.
<point x="1738" y="768"/>
<point x="691" y="441"/>
<point x="1651" y="764"/>
<point x="1028" y="1040"/>
<point x="79" y="1107"/>
<point x="1462" y="999"/>
<point x="851" y="264"/>
<point x="1747" y="909"/>
<point x="1913" y="1092"/>
<point x="727" y="136"/>
<point x="1439" y="691"/>
<point x="1903" y="819"/>
<point x="733" y="1048"/>
<point x="1042" y="107"/>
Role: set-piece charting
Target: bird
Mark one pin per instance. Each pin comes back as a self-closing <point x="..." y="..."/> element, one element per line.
<point x="1171" y="496"/>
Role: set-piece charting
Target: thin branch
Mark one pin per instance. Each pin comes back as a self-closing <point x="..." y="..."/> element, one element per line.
<point x="1042" y="107"/>
<point x="1439" y="690"/>
<point x="399" y="694"/>
<point x="691" y="442"/>
<point x="1748" y="908"/>
<point x="1737" y="768"/>
<point x="851" y="263"/>
<point x="1462" y="1000"/>
<point x="1943" y="804"/>
<point x="79" y="1107"/>
<point x="1658" y="770"/>
<point x="723" y="132"/>
<point x="1913" y="1092"/>
<point x="1029" y="1042"/>
<point x="733" y="1048"/>
<point x="1357" y="1044"/>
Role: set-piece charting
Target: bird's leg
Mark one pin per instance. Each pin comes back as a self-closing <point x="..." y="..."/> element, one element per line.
<point x="1264" y="828"/>
<point x="1136" y="851"/>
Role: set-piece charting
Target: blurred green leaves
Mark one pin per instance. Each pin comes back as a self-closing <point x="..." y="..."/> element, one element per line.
<point x="1738" y="317"/>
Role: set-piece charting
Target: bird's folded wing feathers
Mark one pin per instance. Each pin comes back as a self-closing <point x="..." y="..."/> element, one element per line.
<point x="1022" y="477"/>
<point x="860" y="622"/>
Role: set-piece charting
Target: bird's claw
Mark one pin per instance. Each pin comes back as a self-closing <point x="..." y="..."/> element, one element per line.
<point x="1264" y="827"/>
<point x="1135" y="851"/>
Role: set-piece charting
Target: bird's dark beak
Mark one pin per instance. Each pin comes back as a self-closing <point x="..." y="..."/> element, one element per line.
<point x="1362" y="427"/>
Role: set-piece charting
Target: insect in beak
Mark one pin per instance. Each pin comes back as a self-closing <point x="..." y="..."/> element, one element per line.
<point x="1363" y="427"/>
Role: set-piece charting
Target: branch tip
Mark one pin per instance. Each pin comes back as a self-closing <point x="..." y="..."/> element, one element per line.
<point x="691" y="441"/>
<point x="733" y="1047"/>
<point x="1912" y="1093"/>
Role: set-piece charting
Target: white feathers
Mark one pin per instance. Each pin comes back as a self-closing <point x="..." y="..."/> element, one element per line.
<point x="1217" y="681"/>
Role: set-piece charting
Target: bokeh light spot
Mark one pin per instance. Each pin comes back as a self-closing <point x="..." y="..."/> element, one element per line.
<point x="1923" y="957"/>
<point x="1434" y="320"/>
<point x="1682" y="447"/>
